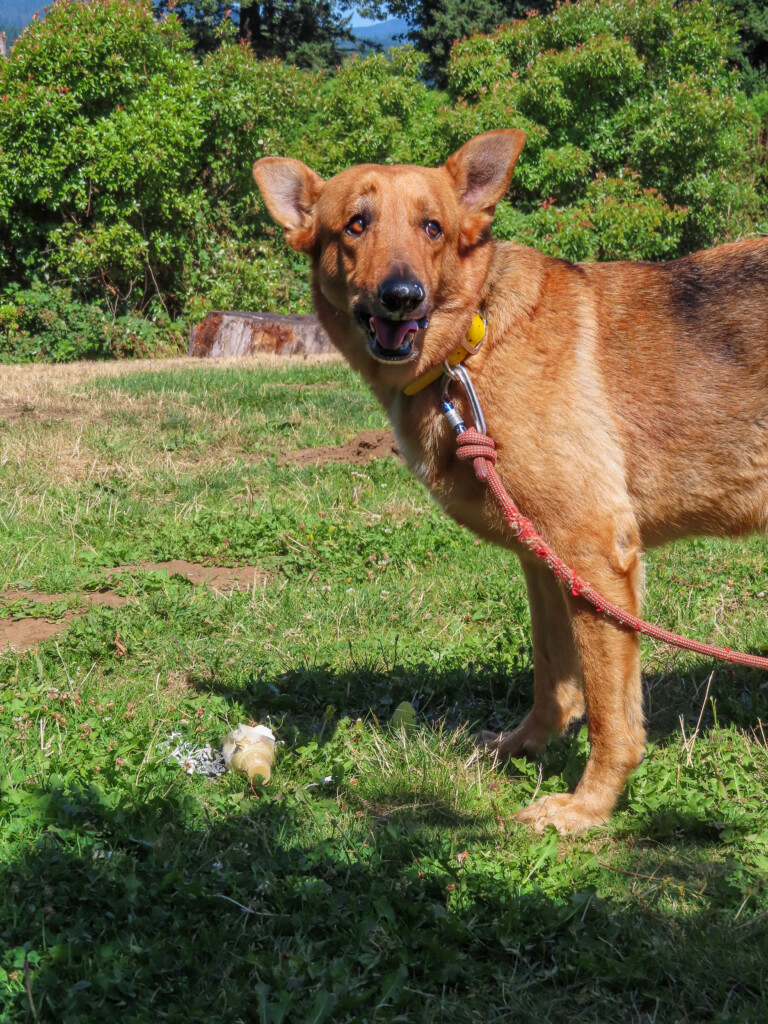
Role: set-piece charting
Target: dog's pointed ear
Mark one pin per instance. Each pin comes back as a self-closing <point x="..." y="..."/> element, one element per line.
<point x="290" y="190"/>
<point x="481" y="171"/>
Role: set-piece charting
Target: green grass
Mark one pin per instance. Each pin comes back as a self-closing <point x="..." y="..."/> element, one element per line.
<point x="400" y="890"/>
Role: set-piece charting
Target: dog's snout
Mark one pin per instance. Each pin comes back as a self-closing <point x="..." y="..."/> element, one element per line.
<point x="401" y="295"/>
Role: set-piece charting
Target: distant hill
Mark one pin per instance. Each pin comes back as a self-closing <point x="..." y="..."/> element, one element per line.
<point x="382" y="34"/>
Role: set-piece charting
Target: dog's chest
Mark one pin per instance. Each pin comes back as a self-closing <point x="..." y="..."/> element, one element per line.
<point x="428" y="446"/>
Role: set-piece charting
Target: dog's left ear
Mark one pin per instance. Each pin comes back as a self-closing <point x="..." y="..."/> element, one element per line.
<point x="481" y="171"/>
<point x="290" y="190"/>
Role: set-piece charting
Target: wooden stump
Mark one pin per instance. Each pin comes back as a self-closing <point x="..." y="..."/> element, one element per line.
<point x="230" y="333"/>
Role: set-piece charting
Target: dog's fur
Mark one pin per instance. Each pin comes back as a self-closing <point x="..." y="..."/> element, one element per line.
<point x="628" y="402"/>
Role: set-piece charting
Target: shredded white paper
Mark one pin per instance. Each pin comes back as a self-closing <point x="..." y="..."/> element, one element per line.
<point x="192" y="759"/>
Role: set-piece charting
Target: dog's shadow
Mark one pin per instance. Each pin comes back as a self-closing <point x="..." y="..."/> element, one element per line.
<point x="689" y="705"/>
<point x="680" y="700"/>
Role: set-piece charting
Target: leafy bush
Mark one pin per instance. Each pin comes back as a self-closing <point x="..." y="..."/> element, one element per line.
<point x="44" y="324"/>
<point x="376" y="110"/>
<point x="638" y="93"/>
<point x="125" y="162"/>
<point x="99" y="130"/>
<point x="616" y="219"/>
<point x="125" y="165"/>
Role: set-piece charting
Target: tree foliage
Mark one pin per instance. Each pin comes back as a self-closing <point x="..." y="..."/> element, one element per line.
<point x="304" y="32"/>
<point x="12" y="32"/>
<point x="124" y="164"/>
<point x="752" y="52"/>
<point x="308" y="33"/>
<point x="208" y="23"/>
<point x="641" y="94"/>
<point x="434" y="25"/>
<point x="125" y="161"/>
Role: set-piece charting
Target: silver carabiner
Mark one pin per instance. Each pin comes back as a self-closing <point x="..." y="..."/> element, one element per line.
<point x="460" y="374"/>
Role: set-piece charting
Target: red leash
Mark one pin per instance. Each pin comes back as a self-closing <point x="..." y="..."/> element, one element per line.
<point x="472" y="444"/>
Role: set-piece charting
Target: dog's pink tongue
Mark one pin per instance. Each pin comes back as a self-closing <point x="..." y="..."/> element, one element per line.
<point x="391" y="334"/>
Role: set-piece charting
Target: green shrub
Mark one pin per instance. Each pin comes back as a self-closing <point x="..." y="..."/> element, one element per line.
<point x="125" y="165"/>
<point x="100" y="128"/>
<point x="616" y="219"/>
<point x="46" y="324"/>
<point x="125" y="162"/>
<point x="615" y="90"/>
<point x="376" y="110"/>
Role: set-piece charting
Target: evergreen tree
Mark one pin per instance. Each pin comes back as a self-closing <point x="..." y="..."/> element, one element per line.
<point x="206" y="22"/>
<point x="435" y="24"/>
<point x="308" y="33"/>
<point x="12" y="32"/>
<point x="303" y="32"/>
<point x="752" y="16"/>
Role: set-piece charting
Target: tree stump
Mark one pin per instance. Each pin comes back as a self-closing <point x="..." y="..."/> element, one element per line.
<point x="231" y="333"/>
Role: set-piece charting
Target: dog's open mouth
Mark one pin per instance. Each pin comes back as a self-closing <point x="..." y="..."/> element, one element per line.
<point x="392" y="340"/>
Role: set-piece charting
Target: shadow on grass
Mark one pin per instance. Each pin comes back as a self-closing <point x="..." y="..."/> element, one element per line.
<point x="307" y="703"/>
<point x="131" y="913"/>
<point x="137" y="906"/>
<point x="486" y="696"/>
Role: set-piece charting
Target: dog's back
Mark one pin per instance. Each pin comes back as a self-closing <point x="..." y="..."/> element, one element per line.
<point x="684" y="348"/>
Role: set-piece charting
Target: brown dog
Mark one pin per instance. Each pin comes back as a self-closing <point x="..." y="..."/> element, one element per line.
<point x="628" y="402"/>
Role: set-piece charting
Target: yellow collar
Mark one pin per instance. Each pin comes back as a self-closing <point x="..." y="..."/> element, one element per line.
<point x="471" y="344"/>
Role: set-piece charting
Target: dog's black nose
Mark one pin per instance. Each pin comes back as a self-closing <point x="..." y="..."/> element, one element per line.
<point x="401" y="294"/>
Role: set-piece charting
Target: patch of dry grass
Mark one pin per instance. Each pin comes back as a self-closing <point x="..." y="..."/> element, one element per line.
<point x="52" y="422"/>
<point x="37" y="384"/>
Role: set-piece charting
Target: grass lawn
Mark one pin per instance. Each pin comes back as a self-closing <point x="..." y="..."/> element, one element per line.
<point x="378" y="877"/>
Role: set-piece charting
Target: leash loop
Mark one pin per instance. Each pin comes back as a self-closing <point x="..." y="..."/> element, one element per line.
<point x="471" y="444"/>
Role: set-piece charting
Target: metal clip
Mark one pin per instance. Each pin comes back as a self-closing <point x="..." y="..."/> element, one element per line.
<point x="460" y="374"/>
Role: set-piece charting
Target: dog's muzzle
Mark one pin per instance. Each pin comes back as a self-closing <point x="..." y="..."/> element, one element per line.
<point x="391" y="320"/>
<point x="392" y="340"/>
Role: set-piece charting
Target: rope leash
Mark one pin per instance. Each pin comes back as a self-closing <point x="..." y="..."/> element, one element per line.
<point x="476" y="445"/>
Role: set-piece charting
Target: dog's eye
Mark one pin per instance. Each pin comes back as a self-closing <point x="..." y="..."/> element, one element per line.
<point x="356" y="226"/>
<point x="433" y="229"/>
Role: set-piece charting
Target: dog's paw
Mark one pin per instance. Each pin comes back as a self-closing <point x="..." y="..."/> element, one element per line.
<point x="526" y="740"/>
<point x="570" y="814"/>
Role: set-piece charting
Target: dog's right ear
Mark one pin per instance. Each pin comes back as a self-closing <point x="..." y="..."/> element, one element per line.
<point x="481" y="171"/>
<point x="290" y="190"/>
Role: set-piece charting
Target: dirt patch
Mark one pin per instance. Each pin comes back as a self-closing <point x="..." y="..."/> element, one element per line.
<point x="108" y="597"/>
<point x="26" y="633"/>
<point x="51" y="411"/>
<point x="367" y="445"/>
<point x="218" y="579"/>
<point x="21" y="634"/>
<point x="11" y="413"/>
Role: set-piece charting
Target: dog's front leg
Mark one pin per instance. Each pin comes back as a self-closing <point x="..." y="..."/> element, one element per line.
<point x="610" y="665"/>
<point x="557" y="690"/>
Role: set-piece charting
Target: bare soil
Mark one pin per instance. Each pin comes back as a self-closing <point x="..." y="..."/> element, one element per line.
<point x="218" y="579"/>
<point x="367" y="445"/>
<point x="21" y="634"/>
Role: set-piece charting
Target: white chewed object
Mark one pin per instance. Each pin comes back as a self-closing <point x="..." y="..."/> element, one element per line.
<point x="250" y="750"/>
<point x="190" y="758"/>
